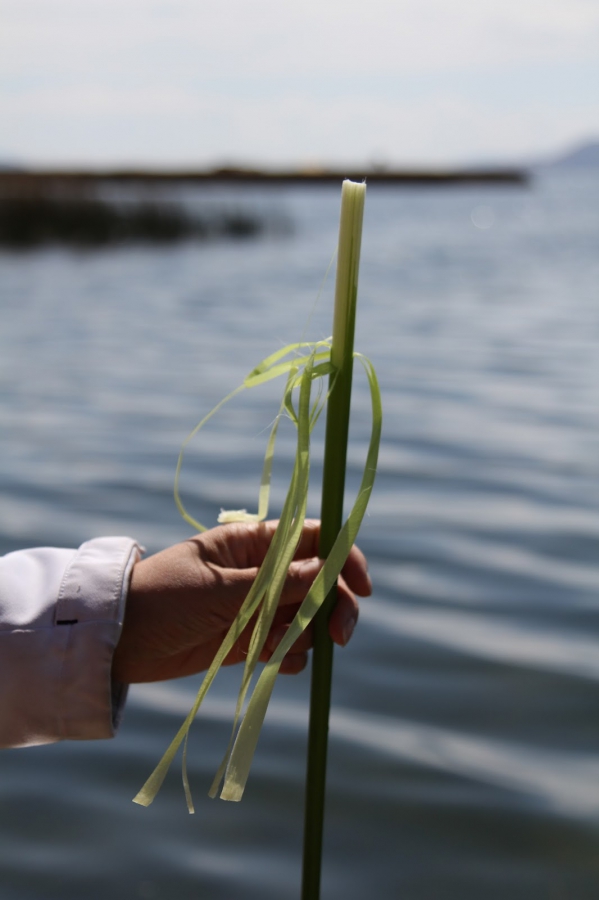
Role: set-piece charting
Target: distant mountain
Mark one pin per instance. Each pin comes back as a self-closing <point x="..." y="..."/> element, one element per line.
<point x="584" y="156"/>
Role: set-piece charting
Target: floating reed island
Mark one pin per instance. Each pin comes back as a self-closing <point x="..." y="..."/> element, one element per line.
<point x="86" y="213"/>
<point x="96" y="208"/>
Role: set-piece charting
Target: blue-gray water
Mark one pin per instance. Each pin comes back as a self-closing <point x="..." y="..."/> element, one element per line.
<point x="464" y="759"/>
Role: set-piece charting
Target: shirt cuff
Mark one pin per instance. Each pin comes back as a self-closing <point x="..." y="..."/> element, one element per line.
<point x="91" y="606"/>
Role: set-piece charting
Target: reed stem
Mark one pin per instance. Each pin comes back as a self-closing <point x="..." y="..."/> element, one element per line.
<point x="353" y="196"/>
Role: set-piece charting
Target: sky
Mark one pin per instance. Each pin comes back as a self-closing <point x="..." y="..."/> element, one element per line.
<point x="285" y="83"/>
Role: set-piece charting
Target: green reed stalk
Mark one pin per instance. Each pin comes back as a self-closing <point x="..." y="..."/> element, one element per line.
<point x="353" y="196"/>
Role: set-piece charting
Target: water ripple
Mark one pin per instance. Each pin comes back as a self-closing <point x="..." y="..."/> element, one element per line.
<point x="490" y="637"/>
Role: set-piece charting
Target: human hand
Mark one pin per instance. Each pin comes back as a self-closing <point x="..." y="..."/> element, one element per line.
<point x="182" y="601"/>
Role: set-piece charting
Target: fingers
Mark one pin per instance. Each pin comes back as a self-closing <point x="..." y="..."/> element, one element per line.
<point x="341" y="626"/>
<point x="342" y="623"/>
<point x="244" y="546"/>
<point x="345" y="612"/>
<point x="303" y="571"/>
<point x="234" y="553"/>
<point x="355" y="570"/>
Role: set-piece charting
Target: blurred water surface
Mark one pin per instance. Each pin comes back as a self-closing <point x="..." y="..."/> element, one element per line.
<point x="465" y="738"/>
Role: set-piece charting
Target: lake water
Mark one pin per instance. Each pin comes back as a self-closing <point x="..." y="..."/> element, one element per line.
<point x="464" y="758"/>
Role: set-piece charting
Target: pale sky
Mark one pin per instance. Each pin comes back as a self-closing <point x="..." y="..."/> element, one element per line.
<point x="282" y="82"/>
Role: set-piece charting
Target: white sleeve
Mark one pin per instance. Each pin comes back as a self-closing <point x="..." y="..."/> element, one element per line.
<point x="61" y="613"/>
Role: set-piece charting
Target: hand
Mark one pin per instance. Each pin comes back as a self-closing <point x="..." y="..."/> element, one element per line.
<point x="183" y="600"/>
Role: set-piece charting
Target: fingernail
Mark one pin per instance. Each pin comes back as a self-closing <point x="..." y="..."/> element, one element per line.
<point x="348" y="629"/>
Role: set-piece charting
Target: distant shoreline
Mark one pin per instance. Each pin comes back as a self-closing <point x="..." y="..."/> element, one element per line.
<point x="56" y="178"/>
